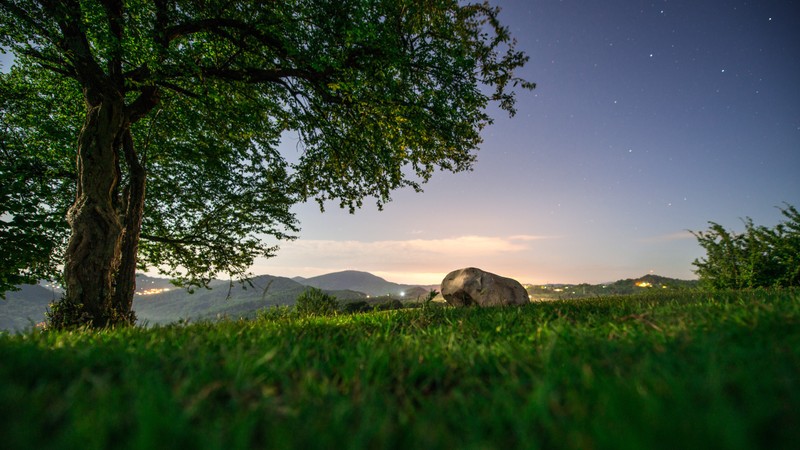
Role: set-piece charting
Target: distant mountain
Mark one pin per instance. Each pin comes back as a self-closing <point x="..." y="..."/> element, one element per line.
<point x="658" y="281"/>
<point x="363" y="282"/>
<point x="620" y="287"/>
<point x="150" y="285"/>
<point x="24" y="308"/>
<point x="157" y="301"/>
<point x="224" y="299"/>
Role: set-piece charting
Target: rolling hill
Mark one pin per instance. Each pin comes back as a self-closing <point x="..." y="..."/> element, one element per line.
<point x="223" y="298"/>
<point x="159" y="302"/>
<point x="24" y="308"/>
<point x="363" y="282"/>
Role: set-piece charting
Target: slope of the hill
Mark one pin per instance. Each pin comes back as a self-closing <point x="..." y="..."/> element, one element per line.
<point x="24" y="308"/>
<point x="231" y="299"/>
<point x="362" y="282"/>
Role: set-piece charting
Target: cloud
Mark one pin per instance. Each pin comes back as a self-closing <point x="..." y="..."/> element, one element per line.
<point x="528" y="237"/>
<point x="421" y="260"/>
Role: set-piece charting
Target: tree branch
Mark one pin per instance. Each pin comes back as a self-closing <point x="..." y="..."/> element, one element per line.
<point x="166" y="240"/>
<point x="56" y="65"/>
<point x="175" y="88"/>
<point x="115" y="24"/>
<point x="255" y="75"/>
<point x="216" y="25"/>
<point x="76" y="47"/>
<point x="27" y="17"/>
<point x="144" y="103"/>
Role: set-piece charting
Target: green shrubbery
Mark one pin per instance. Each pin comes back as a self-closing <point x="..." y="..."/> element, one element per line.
<point x="64" y="315"/>
<point x="759" y="257"/>
<point x="314" y="302"/>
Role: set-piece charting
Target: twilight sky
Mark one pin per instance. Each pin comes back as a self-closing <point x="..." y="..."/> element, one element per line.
<point x="650" y="119"/>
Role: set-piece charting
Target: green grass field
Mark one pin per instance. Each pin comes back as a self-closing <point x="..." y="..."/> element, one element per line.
<point x="688" y="370"/>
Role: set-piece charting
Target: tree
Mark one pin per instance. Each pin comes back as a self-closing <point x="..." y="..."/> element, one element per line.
<point x="315" y="302"/>
<point x="144" y="134"/>
<point x="759" y="257"/>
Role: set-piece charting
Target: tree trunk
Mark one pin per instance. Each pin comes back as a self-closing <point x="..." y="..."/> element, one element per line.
<point x="134" y="210"/>
<point x="93" y="252"/>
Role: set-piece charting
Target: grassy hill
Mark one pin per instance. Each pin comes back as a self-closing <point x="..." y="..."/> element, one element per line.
<point x="673" y="370"/>
<point x="24" y="308"/>
<point x="362" y="282"/>
<point x="628" y="286"/>
<point x="233" y="300"/>
<point x="159" y="302"/>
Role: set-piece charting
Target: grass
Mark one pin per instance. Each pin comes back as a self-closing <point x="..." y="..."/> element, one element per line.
<point x="688" y="370"/>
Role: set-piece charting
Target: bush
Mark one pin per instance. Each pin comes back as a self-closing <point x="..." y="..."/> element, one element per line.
<point x="314" y="302"/>
<point x="358" y="306"/>
<point x="274" y="313"/>
<point x="64" y="315"/>
<point x="390" y="305"/>
<point x="759" y="257"/>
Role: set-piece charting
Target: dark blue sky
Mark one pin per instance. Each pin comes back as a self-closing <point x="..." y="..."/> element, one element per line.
<point x="650" y="118"/>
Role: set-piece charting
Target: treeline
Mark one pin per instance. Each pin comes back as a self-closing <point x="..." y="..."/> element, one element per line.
<point x="315" y="302"/>
<point x="759" y="257"/>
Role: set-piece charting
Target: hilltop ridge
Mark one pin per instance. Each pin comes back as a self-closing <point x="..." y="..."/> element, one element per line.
<point x="158" y="301"/>
<point x="365" y="282"/>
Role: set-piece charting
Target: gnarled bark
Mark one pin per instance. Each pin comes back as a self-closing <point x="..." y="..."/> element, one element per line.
<point x="93" y="252"/>
<point x="125" y="285"/>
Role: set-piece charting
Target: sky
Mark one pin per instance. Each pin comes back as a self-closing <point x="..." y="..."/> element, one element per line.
<point x="650" y="119"/>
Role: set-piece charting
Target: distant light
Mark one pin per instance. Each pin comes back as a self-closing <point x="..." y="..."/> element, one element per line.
<point x="153" y="291"/>
<point x="402" y="294"/>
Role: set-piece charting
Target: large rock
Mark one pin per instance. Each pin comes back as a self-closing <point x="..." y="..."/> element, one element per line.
<point x="471" y="286"/>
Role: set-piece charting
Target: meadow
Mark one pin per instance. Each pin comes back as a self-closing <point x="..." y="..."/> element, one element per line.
<point x="673" y="370"/>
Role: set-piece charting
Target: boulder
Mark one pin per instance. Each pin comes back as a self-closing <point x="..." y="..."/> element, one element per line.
<point x="471" y="286"/>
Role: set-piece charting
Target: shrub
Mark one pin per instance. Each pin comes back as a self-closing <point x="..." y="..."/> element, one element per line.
<point x="389" y="305"/>
<point x="64" y="315"/>
<point x="759" y="257"/>
<point x="358" y="306"/>
<point x="314" y="302"/>
<point x="274" y="313"/>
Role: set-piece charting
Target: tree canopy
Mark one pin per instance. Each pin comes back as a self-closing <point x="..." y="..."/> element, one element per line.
<point x="188" y="101"/>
